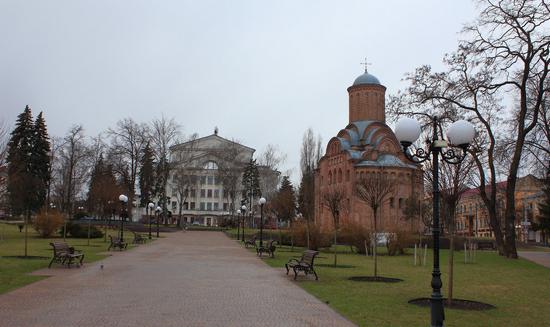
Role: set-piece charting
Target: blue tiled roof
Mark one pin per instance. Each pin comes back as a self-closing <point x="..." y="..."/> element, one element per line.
<point x="366" y="78"/>
<point x="386" y="160"/>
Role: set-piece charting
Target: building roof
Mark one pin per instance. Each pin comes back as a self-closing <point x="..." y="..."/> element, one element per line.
<point x="366" y="79"/>
<point x="385" y="160"/>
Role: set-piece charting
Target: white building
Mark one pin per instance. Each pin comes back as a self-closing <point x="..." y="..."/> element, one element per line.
<point x="196" y="179"/>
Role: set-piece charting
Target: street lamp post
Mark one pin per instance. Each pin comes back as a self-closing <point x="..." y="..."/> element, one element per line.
<point x="150" y="206"/>
<point x="238" y="223"/>
<point x="460" y="134"/>
<point x="157" y="210"/>
<point x="261" y="202"/>
<point x="123" y="201"/>
<point x="243" y="209"/>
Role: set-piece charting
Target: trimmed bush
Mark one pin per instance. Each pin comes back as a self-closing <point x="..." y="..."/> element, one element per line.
<point x="81" y="231"/>
<point x="317" y="238"/>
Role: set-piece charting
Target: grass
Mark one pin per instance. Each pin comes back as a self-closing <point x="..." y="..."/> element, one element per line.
<point x="14" y="271"/>
<point x="518" y="288"/>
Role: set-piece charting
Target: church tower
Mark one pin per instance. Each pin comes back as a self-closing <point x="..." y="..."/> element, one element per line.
<point x="367" y="99"/>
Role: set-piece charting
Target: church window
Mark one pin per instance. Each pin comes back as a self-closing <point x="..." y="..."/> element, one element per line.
<point x="339" y="176"/>
<point x="329" y="177"/>
<point x="210" y="165"/>
<point x="392" y="204"/>
<point x="347" y="175"/>
<point x="400" y="203"/>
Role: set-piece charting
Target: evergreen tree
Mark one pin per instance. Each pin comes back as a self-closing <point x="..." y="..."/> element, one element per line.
<point x="543" y="223"/>
<point x="251" y="181"/>
<point x="146" y="175"/>
<point x="19" y="163"/>
<point x="284" y="203"/>
<point x="40" y="159"/>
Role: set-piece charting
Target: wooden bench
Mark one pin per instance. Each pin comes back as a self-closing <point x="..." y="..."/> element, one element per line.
<point x="116" y="242"/>
<point x="64" y="254"/>
<point x="139" y="238"/>
<point x="268" y="247"/>
<point x="485" y="245"/>
<point x="305" y="263"/>
<point x="251" y="242"/>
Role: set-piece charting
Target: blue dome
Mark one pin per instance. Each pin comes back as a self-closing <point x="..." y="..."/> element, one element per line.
<point x="366" y="78"/>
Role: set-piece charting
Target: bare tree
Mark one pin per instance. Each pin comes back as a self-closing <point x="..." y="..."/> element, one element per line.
<point x="184" y="179"/>
<point x="230" y="162"/>
<point x="73" y="154"/>
<point x="333" y="199"/>
<point x="269" y="162"/>
<point x="505" y="54"/>
<point x="4" y="139"/>
<point x="128" y="138"/>
<point x="309" y="159"/>
<point x="375" y="189"/>
<point x="164" y="134"/>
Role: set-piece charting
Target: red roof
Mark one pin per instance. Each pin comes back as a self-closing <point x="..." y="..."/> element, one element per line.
<point x="475" y="190"/>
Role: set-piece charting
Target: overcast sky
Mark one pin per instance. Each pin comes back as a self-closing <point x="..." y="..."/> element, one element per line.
<point x="262" y="71"/>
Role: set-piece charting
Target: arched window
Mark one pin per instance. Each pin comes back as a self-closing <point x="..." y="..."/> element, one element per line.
<point x="329" y="177"/>
<point x="339" y="175"/>
<point x="210" y="165"/>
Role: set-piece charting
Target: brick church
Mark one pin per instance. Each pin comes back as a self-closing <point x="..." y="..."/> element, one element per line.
<point x="366" y="146"/>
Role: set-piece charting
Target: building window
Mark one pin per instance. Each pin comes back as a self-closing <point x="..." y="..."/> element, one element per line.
<point x="209" y="206"/>
<point x="216" y="206"/>
<point x="186" y="206"/>
<point x="225" y="206"/>
<point x="203" y="180"/>
<point x="193" y="193"/>
<point x="203" y="193"/>
<point x="210" y="180"/>
<point x="209" y="194"/>
<point x="192" y="205"/>
<point x="216" y="193"/>
<point x="174" y="205"/>
<point x="203" y="206"/>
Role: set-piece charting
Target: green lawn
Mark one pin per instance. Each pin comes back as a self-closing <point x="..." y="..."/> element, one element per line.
<point x="518" y="288"/>
<point x="14" y="271"/>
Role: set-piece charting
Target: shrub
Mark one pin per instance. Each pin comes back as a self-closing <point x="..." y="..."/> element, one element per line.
<point x="81" y="231"/>
<point x="398" y="241"/>
<point x="355" y="235"/>
<point x="317" y="237"/>
<point x="47" y="222"/>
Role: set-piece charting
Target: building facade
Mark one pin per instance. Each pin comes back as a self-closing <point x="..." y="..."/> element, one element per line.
<point x="364" y="147"/>
<point x="200" y="173"/>
<point x="472" y="218"/>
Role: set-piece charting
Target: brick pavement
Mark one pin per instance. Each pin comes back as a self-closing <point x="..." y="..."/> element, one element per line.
<point x="185" y="279"/>
<point x="542" y="258"/>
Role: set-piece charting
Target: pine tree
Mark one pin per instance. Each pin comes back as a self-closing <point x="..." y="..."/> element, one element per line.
<point x="146" y="175"/>
<point x="251" y="181"/>
<point x="40" y="159"/>
<point x="284" y="204"/>
<point x="19" y="163"/>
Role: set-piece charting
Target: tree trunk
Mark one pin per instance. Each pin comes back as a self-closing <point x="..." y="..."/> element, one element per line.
<point x="451" y="269"/>
<point x="335" y="237"/>
<point x="375" y="245"/>
<point x="27" y="218"/>
<point x="307" y="234"/>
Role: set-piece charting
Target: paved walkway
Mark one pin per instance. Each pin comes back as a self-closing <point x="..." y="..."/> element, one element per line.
<point x="186" y="279"/>
<point x="542" y="258"/>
